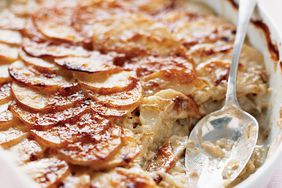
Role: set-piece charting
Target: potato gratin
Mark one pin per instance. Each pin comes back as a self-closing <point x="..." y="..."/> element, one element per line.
<point x="102" y="93"/>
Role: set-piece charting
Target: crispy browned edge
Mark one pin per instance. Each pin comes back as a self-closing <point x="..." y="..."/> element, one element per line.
<point x="272" y="47"/>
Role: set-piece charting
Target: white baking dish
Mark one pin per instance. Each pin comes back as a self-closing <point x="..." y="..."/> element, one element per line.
<point x="265" y="36"/>
<point x="264" y="41"/>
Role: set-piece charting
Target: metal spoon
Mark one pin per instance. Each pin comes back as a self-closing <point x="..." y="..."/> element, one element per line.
<point x="222" y="142"/>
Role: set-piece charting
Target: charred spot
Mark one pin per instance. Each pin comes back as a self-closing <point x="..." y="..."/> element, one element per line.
<point x="126" y="159"/>
<point x="179" y="103"/>
<point x="135" y="125"/>
<point x="33" y="157"/>
<point x="273" y="49"/>
<point x="61" y="185"/>
<point x="158" y="179"/>
<point x="225" y="38"/>
<point x="234" y="4"/>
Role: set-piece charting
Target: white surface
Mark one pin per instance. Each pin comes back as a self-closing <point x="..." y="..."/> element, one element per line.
<point x="273" y="8"/>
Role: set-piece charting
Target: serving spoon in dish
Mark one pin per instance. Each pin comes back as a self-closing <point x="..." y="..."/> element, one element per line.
<point x="222" y="142"/>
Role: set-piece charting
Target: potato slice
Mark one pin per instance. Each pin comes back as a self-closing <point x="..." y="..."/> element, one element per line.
<point x="9" y="21"/>
<point x="93" y="153"/>
<point x="32" y="33"/>
<point x="5" y="93"/>
<point x="12" y="136"/>
<point x="96" y="62"/>
<point x="87" y="126"/>
<point x="175" y="79"/>
<point x="217" y="71"/>
<point x="4" y="74"/>
<point x="108" y="83"/>
<point x="43" y="121"/>
<point x="124" y="156"/>
<point x="168" y="154"/>
<point x="76" y="181"/>
<point x="48" y="172"/>
<point x="147" y="65"/>
<point x="48" y="50"/>
<point x="48" y="83"/>
<point x="7" y="119"/>
<point x="27" y="150"/>
<point x="134" y="34"/>
<point x="191" y="29"/>
<point x="10" y="37"/>
<point x="8" y="53"/>
<point x="56" y="23"/>
<point x="37" y="101"/>
<point x="122" y="100"/>
<point x="109" y="111"/>
<point x="123" y="178"/>
<point x="39" y="63"/>
<point x="148" y="6"/>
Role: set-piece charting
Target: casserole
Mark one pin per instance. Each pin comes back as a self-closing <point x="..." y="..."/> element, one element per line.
<point x="274" y="55"/>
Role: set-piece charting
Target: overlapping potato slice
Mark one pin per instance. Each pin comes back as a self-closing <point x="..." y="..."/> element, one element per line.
<point x="4" y="74"/>
<point x="217" y="71"/>
<point x="159" y="73"/>
<point x="134" y="34"/>
<point x="5" y="93"/>
<point x="27" y="150"/>
<point x="12" y="136"/>
<point x="43" y="121"/>
<point x="38" y="63"/>
<point x="182" y="105"/>
<point x="123" y="178"/>
<point x="10" y="37"/>
<point x="129" y="151"/>
<point x="31" y="32"/>
<point x="7" y="119"/>
<point x="94" y="153"/>
<point x="9" y="21"/>
<point x="175" y="79"/>
<point x="86" y="15"/>
<point x="168" y="154"/>
<point x="56" y="23"/>
<point x="191" y="29"/>
<point x="48" y="172"/>
<point x="147" y="65"/>
<point x="31" y="77"/>
<point x="52" y="50"/>
<point x="149" y="6"/>
<point x="76" y="181"/>
<point x="96" y="62"/>
<point x="122" y="100"/>
<point x="109" y="111"/>
<point x="211" y="51"/>
<point x="38" y="101"/>
<point x="158" y="114"/>
<point x="108" y="83"/>
<point x="23" y="8"/>
<point x="8" y="53"/>
<point x="87" y="127"/>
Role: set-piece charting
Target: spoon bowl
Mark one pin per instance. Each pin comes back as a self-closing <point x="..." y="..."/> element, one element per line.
<point x="221" y="144"/>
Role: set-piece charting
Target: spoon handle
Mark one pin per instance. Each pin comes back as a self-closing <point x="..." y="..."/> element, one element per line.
<point x="246" y="8"/>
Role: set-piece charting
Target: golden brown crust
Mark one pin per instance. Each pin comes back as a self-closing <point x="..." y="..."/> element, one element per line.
<point x="47" y="172"/>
